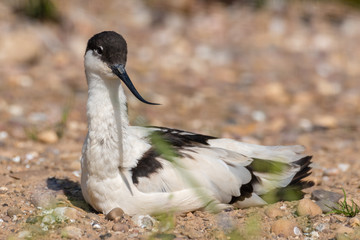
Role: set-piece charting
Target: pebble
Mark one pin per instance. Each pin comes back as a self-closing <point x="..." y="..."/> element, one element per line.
<point x="145" y="221"/>
<point x="342" y="236"/>
<point x="297" y="231"/>
<point x="115" y="214"/>
<point x="331" y="172"/>
<point x="343" y="167"/>
<point x="3" y="135"/>
<point x="120" y="227"/>
<point x="48" y="219"/>
<point x="314" y="235"/>
<point x="273" y="212"/>
<point x="326" y="121"/>
<point x="326" y="205"/>
<point x="71" y="232"/>
<point x="41" y="199"/>
<point x="344" y="229"/>
<point x="354" y="222"/>
<point x="21" y="45"/>
<point x="13" y="211"/>
<point x="24" y="235"/>
<point x="66" y="213"/>
<point x="16" y="159"/>
<point x="321" y="227"/>
<point x="284" y="227"/>
<point x="308" y="207"/>
<point x="3" y="190"/>
<point x="95" y="225"/>
<point x="48" y="136"/>
<point x="323" y="194"/>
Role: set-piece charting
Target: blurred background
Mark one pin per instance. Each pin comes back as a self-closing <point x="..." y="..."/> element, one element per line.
<point x="267" y="71"/>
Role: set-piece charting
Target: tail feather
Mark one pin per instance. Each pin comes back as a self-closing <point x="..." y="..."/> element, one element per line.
<point x="293" y="191"/>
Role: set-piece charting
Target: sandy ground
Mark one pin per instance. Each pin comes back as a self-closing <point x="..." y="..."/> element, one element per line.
<point x="281" y="74"/>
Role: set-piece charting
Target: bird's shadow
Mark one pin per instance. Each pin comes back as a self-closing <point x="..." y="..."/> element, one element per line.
<point x="71" y="190"/>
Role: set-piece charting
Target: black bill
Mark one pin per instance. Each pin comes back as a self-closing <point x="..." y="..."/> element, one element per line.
<point x="119" y="70"/>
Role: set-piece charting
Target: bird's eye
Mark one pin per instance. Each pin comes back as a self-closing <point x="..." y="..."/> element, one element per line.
<point x="99" y="50"/>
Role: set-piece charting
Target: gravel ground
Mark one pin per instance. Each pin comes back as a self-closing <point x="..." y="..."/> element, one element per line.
<point x="284" y="73"/>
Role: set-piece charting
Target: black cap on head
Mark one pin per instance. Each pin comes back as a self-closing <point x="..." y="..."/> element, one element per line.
<point x="111" y="47"/>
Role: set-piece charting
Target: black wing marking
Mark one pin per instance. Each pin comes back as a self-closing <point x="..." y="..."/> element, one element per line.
<point x="177" y="139"/>
<point x="147" y="165"/>
<point x="181" y="139"/>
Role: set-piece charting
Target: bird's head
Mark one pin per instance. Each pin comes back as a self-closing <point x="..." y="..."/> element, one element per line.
<point x="105" y="55"/>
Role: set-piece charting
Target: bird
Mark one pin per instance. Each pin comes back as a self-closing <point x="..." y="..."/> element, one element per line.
<point x="152" y="170"/>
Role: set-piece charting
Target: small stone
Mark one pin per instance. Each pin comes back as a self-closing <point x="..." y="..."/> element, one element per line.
<point x="3" y="190"/>
<point x="13" y="211"/>
<point x="326" y="121"/>
<point x="48" y="136"/>
<point x="120" y="227"/>
<point x="297" y="231"/>
<point x="342" y="236"/>
<point x="71" y="213"/>
<point x="105" y="236"/>
<point x="65" y="213"/>
<point x="354" y="222"/>
<point x="331" y="172"/>
<point x="321" y="227"/>
<point x="283" y="227"/>
<point x="323" y="194"/>
<point x="326" y="205"/>
<point x="20" y="45"/>
<point x="273" y="212"/>
<point x="71" y="232"/>
<point x="43" y="199"/>
<point x="308" y="207"/>
<point x="115" y="214"/>
<point x="343" y="229"/>
<point x="343" y="167"/>
<point x="314" y="235"/>
<point x="48" y="219"/>
<point x="95" y="225"/>
<point x="24" y="235"/>
<point x="145" y="221"/>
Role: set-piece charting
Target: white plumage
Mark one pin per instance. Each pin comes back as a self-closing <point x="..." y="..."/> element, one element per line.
<point x="122" y="169"/>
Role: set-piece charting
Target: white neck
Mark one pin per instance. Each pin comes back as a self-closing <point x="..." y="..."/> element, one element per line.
<point x="111" y="143"/>
<point x="107" y="123"/>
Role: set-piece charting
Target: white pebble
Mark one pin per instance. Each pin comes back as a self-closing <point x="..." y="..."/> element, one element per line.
<point x="24" y="234"/>
<point x="258" y="116"/>
<point x="95" y="225"/>
<point x="3" y="135"/>
<point x="297" y="231"/>
<point x="283" y="207"/>
<point x="325" y="179"/>
<point x="306" y="124"/>
<point x="3" y="190"/>
<point x="76" y="173"/>
<point x="16" y="110"/>
<point x="343" y="166"/>
<point x="16" y="159"/>
<point x="315" y="234"/>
